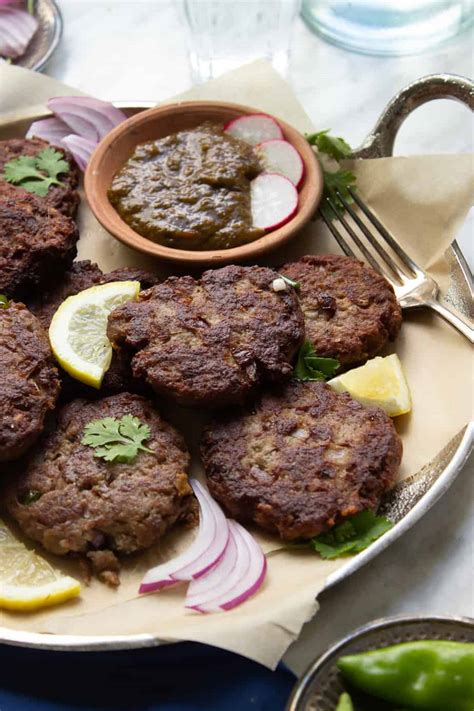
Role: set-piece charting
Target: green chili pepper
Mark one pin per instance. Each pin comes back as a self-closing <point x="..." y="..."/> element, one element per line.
<point x="344" y="703"/>
<point x="434" y="675"/>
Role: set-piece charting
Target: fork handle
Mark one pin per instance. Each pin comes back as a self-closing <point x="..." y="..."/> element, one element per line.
<point x="454" y="319"/>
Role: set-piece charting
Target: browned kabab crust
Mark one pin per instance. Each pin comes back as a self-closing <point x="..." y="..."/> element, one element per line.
<point x="29" y="383"/>
<point x="37" y="242"/>
<point x="65" y="197"/>
<point x="302" y="460"/>
<point x="73" y="502"/>
<point x="212" y="341"/>
<point x="350" y="310"/>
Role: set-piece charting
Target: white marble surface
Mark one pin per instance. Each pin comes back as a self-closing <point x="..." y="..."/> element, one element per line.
<point x="137" y="50"/>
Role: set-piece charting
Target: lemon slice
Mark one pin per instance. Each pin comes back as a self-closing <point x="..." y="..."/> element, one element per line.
<point x="78" y="330"/>
<point x="27" y="581"/>
<point x="381" y="381"/>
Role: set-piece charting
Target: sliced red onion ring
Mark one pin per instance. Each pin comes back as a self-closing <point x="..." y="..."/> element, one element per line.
<point x="51" y="129"/>
<point x="81" y="149"/>
<point x="238" y="575"/>
<point x="203" y="553"/>
<point x="17" y="27"/>
<point x="89" y="118"/>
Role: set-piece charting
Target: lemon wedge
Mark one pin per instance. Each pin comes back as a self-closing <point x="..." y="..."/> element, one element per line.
<point x="78" y="330"/>
<point x="27" y="581"/>
<point x="381" y="381"/>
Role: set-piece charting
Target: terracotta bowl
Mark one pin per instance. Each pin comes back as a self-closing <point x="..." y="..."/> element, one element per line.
<point x="115" y="149"/>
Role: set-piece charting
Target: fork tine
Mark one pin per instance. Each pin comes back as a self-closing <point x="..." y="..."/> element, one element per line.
<point x="373" y="263"/>
<point x="337" y="236"/>
<point x="387" y="260"/>
<point x="403" y="256"/>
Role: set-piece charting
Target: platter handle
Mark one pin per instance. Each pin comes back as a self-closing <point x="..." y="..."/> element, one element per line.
<point x="380" y="141"/>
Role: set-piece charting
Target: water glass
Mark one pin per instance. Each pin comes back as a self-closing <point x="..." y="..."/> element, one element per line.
<point x="223" y="34"/>
<point x="388" y="27"/>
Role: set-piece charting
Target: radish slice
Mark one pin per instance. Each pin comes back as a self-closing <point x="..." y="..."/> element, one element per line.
<point x="51" y="129"/>
<point x="17" y="28"/>
<point x="254" y="128"/>
<point x="274" y="200"/>
<point x="203" y="553"/>
<point x="237" y="576"/>
<point x="279" y="156"/>
<point x="81" y="149"/>
<point x="89" y="118"/>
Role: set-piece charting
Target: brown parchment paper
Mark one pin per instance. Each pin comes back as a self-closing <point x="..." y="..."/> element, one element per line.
<point x="423" y="200"/>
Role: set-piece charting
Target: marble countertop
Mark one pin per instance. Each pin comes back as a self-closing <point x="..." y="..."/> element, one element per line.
<point x="137" y="51"/>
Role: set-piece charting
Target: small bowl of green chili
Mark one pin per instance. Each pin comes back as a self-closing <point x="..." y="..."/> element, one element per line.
<point x="396" y="664"/>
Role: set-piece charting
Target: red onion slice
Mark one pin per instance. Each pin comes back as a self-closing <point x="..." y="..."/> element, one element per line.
<point x="81" y="149"/>
<point x="17" y="27"/>
<point x="230" y="586"/>
<point x="51" y="129"/>
<point x="89" y="118"/>
<point x="203" y="553"/>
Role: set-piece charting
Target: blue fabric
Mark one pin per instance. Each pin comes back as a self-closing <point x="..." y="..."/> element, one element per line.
<point x="180" y="677"/>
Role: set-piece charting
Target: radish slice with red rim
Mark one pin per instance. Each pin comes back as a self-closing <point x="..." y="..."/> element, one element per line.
<point x="51" y="129"/>
<point x="254" y="128"/>
<point x="232" y="585"/>
<point x="278" y="156"/>
<point x="17" y="28"/>
<point x="89" y="118"/>
<point x="273" y="200"/>
<point x="80" y="148"/>
<point x="203" y="553"/>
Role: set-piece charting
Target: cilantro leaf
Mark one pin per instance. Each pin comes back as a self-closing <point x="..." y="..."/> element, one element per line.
<point x="21" y="168"/>
<point x="117" y="440"/>
<point x="354" y="535"/>
<point x="36" y="173"/>
<point x="51" y="162"/>
<point x="333" y="146"/>
<point x="310" y="366"/>
<point x="339" y="181"/>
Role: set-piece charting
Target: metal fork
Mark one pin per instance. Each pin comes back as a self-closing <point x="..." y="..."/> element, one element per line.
<point x="413" y="286"/>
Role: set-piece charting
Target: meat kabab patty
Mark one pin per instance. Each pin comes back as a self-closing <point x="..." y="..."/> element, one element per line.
<point x="29" y="382"/>
<point x="71" y="501"/>
<point x="211" y="341"/>
<point x="83" y="275"/>
<point x="37" y="242"/>
<point x="350" y="310"/>
<point x="64" y="197"/>
<point x="302" y="460"/>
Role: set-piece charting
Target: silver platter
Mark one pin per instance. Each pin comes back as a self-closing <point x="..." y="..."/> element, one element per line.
<point x="47" y="37"/>
<point x="321" y="685"/>
<point x="410" y="499"/>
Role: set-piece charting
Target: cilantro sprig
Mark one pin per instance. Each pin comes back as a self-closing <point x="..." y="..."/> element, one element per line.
<point x="117" y="440"/>
<point x="352" y="536"/>
<point x="310" y="366"/>
<point x="336" y="181"/>
<point x="37" y="173"/>
<point x="333" y="146"/>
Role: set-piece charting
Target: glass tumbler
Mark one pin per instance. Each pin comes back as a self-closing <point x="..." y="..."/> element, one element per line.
<point x="223" y="34"/>
<point x="388" y="27"/>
